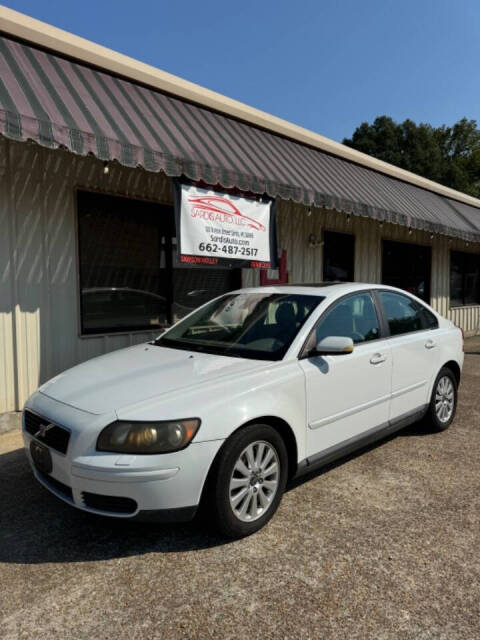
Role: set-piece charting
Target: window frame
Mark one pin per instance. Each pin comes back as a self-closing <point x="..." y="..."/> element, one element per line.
<point x="305" y="352"/>
<point x="338" y="233"/>
<point x="464" y="305"/>
<point x="170" y="264"/>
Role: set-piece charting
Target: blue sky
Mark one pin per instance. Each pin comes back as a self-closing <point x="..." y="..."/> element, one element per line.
<point x="326" y="65"/>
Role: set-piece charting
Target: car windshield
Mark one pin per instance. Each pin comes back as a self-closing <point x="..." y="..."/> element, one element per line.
<point x="247" y="325"/>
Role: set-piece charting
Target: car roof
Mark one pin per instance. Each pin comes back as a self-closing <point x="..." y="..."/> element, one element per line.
<point x="323" y="289"/>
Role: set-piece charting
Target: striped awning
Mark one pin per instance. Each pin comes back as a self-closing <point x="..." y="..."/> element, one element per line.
<point x="57" y="102"/>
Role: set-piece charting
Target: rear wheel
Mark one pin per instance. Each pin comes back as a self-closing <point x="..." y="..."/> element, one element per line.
<point x="443" y="403"/>
<point x="249" y="480"/>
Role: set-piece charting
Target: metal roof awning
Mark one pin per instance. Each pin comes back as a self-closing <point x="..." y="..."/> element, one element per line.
<point x="57" y="102"/>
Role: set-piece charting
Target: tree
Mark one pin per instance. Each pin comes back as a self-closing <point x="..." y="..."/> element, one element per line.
<point x="449" y="155"/>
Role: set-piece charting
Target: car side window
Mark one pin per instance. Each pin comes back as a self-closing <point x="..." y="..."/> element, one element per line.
<point x="429" y="320"/>
<point x="403" y="314"/>
<point x="353" y="317"/>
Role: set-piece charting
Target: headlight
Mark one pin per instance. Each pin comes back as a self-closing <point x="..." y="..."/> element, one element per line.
<point x="147" y="437"/>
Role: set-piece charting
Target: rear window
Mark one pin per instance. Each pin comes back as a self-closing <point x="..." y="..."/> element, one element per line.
<point x="429" y="320"/>
<point x="403" y="313"/>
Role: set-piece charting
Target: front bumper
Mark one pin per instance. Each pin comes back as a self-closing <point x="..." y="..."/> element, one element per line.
<point x="163" y="487"/>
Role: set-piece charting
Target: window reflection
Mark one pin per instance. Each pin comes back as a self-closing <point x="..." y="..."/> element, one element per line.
<point x="128" y="272"/>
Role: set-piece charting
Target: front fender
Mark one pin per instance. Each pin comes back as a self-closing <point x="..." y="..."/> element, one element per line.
<point x="277" y="390"/>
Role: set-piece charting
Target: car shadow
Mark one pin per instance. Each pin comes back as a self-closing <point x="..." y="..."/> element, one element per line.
<point x="36" y="527"/>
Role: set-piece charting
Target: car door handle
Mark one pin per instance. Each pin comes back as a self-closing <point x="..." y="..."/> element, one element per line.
<point x="377" y="358"/>
<point x="429" y="344"/>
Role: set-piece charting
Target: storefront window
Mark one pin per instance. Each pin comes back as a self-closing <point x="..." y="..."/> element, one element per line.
<point x="338" y="256"/>
<point x="407" y="266"/>
<point x="129" y="279"/>
<point x="464" y="278"/>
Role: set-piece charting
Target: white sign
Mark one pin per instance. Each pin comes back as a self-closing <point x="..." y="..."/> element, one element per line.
<point x="215" y="227"/>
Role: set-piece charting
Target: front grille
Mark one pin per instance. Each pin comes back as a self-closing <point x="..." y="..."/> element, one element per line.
<point x="54" y="436"/>
<point x="113" y="504"/>
<point x="56" y="484"/>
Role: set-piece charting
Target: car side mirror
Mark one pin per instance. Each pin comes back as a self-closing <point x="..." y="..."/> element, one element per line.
<point x="334" y="346"/>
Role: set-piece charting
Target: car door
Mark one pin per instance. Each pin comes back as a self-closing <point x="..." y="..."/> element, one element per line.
<point x="414" y="352"/>
<point x="349" y="394"/>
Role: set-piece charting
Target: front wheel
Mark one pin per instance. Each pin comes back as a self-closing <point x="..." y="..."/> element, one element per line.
<point x="249" y="480"/>
<point x="443" y="403"/>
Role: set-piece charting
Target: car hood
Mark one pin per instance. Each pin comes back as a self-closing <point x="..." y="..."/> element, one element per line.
<point x="129" y="376"/>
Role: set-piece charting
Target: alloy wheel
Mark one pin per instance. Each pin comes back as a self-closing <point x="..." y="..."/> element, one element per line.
<point x="444" y="399"/>
<point x="254" y="481"/>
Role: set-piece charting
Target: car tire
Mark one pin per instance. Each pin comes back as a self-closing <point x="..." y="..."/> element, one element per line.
<point x="443" y="402"/>
<point x="238" y="486"/>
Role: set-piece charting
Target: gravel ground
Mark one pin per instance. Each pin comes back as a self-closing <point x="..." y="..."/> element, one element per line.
<point x="383" y="545"/>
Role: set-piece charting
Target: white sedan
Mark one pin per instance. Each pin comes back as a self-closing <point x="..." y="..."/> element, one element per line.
<point x="248" y="391"/>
